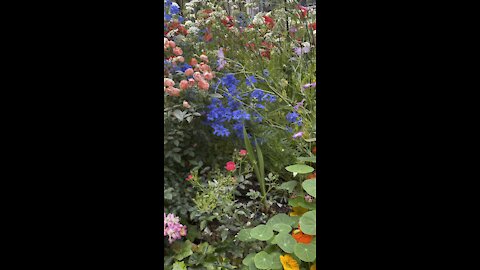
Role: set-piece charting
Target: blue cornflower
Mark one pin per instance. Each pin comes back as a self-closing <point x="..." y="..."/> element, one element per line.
<point x="266" y="73"/>
<point x="174" y="9"/>
<point x="299" y="122"/>
<point x="257" y="94"/>
<point x="260" y="106"/>
<point x="181" y="19"/>
<point x="185" y="67"/>
<point x="220" y="130"/>
<point x="291" y="117"/>
<point x="167" y="17"/>
<point x="269" y="97"/>
<point x="250" y="80"/>
<point x="240" y="114"/>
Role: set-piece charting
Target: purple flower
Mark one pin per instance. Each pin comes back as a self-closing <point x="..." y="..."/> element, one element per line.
<point x="314" y="85"/>
<point x="221" y="59"/>
<point x="299" y="104"/>
<point x="297" y="135"/>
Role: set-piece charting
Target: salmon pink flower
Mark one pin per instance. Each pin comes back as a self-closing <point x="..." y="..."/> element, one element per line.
<point x="184" y="84"/>
<point x="204" y="58"/>
<point x="243" y="152"/>
<point x="202" y="84"/>
<point x="208" y="76"/>
<point x="186" y="105"/>
<point x="189" y="72"/>
<point x="197" y="76"/>
<point x="177" y="51"/>
<point x="193" y="62"/>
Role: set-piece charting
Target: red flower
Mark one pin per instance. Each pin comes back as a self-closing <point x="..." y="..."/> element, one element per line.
<point x="304" y="11"/>
<point x="269" y="21"/>
<point x="265" y="54"/>
<point x="208" y="37"/>
<point x="313" y="26"/>
<point x="243" y="152"/>
<point x="189" y="177"/>
<point x="230" y="166"/>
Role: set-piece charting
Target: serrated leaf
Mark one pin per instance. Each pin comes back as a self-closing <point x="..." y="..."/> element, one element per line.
<point x="290" y="185"/>
<point x="179" y="266"/>
<point x="178" y="114"/>
<point x="300" y="168"/>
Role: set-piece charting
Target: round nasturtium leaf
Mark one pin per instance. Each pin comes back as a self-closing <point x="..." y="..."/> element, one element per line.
<point x="282" y="228"/>
<point x="305" y="252"/>
<point x="275" y="259"/>
<point x="286" y="242"/>
<point x="262" y="260"/>
<point x="308" y="223"/>
<point x="280" y="219"/>
<point x="244" y="235"/>
<point x="262" y="232"/>
<point x="300" y="168"/>
<point x="249" y="259"/>
<point x="310" y="187"/>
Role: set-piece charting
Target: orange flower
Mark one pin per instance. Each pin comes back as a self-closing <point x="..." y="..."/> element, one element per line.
<point x="300" y="237"/>
<point x="289" y="263"/>
<point x="311" y="176"/>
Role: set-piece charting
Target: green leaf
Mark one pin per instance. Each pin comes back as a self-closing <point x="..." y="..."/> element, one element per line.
<point x="307" y="159"/>
<point x="311" y="140"/>
<point x="275" y="259"/>
<point x="178" y="114"/>
<point x="244" y="235"/>
<point x="185" y="251"/>
<point x="282" y="228"/>
<point x="310" y="186"/>
<point x="308" y="223"/>
<point x="300" y="168"/>
<point x="179" y="266"/>
<point x="262" y="232"/>
<point x="249" y="259"/>
<point x="280" y="218"/>
<point x="262" y="260"/>
<point x="290" y="186"/>
<point x="216" y="95"/>
<point x="285" y="241"/>
<point x="305" y="252"/>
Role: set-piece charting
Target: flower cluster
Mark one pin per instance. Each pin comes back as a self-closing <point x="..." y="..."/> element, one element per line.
<point x="172" y="227"/>
<point x="234" y="109"/>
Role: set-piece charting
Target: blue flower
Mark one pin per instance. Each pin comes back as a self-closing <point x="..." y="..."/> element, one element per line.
<point x="220" y="130"/>
<point x="291" y="117"/>
<point x="260" y="106"/>
<point x="257" y="94"/>
<point x="270" y="98"/>
<point x="250" y="80"/>
<point x="174" y="9"/>
<point x="266" y="73"/>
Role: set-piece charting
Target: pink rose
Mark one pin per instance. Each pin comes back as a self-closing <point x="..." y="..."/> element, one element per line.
<point x="185" y="104"/>
<point x="202" y="84"/>
<point x="189" y="72"/>
<point x="204" y="58"/>
<point x="208" y="75"/>
<point x="184" y="84"/>
<point x="243" y="152"/>
<point x="230" y="166"/>
<point x="177" y="51"/>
